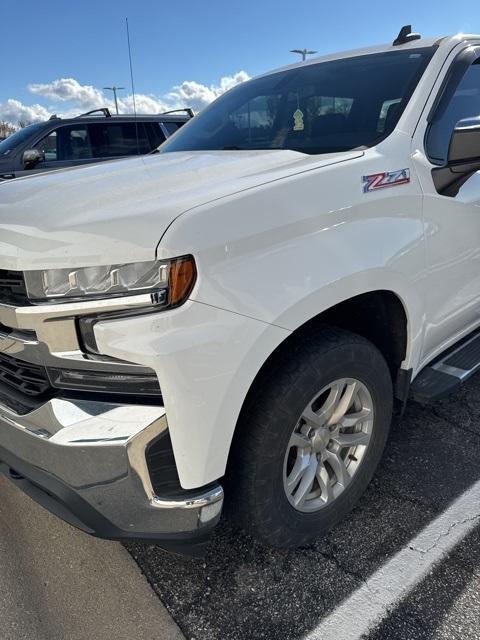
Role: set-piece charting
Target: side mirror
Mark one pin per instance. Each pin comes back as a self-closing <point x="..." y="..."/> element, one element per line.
<point x="463" y="158"/>
<point x="465" y="143"/>
<point x="31" y="157"/>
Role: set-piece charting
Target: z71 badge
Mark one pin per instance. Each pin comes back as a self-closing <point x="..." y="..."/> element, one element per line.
<point x="385" y="179"/>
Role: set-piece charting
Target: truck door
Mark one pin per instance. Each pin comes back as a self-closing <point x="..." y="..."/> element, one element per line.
<point x="452" y="224"/>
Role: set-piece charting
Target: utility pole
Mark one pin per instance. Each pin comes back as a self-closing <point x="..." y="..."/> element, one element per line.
<point x="303" y="52"/>
<point x="114" y="89"/>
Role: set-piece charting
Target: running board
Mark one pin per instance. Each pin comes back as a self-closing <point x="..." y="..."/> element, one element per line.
<point x="447" y="373"/>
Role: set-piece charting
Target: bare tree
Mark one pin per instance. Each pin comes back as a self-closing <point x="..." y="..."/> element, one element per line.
<point x="6" y="129"/>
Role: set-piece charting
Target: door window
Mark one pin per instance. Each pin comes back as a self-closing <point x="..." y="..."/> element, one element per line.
<point x="112" y="140"/>
<point x="465" y="103"/>
<point x="74" y="143"/>
<point x="155" y="134"/>
<point x="171" y="127"/>
<point x="66" y="143"/>
<point x="48" y="146"/>
<point x="253" y="121"/>
<point x="388" y="112"/>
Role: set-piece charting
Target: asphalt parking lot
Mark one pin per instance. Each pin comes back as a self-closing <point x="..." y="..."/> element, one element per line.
<point x="56" y="583"/>
<point x="243" y="591"/>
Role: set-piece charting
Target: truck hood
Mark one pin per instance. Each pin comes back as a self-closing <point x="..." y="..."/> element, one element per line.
<point x="117" y="211"/>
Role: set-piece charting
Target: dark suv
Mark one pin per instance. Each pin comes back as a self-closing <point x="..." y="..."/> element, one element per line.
<point x="91" y="137"/>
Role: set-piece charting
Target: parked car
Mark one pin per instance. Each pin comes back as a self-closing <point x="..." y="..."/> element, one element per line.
<point x="239" y="314"/>
<point x="91" y="137"/>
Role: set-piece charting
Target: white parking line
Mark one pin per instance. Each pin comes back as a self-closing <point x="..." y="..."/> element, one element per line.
<point x="371" y="602"/>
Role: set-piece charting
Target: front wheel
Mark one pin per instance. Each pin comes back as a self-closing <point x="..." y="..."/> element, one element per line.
<point x="311" y="437"/>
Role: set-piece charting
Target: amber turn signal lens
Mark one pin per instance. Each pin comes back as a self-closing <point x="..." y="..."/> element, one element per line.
<point x="183" y="274"/>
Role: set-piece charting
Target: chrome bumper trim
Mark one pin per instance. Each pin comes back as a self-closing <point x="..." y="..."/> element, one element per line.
<point x="97" y="450"/>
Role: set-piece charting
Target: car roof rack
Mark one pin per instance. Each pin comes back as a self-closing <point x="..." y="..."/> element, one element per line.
<point x="188" y="110"/>
<point x="405" y="35"/>
<point x="54" y="117"/>
<point x="104" y="110"/>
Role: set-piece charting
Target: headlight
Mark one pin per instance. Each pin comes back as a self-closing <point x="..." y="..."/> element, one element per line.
<point x="170" y="280"/>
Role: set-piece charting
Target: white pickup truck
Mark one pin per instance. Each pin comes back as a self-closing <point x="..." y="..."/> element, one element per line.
<point x="237" y="315"/>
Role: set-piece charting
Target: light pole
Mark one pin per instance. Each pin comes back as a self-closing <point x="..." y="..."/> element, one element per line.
<point x="114" y="89"/>
<point x="303" y="52"/>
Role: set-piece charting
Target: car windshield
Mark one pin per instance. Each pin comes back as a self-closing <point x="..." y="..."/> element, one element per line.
<point x="317" y="108"/>
<point x="10" y="143"/>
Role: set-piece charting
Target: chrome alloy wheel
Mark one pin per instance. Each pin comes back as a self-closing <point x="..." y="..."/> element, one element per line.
<point x="328" y="444"/>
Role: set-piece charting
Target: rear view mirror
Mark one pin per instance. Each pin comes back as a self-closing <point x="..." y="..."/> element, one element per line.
<point x="31" y="158"/>
<point x="463" y="158"/>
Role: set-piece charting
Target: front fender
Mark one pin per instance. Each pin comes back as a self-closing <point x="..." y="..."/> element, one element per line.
<point x="284" y="252"/>
<point x="356" y="284"/>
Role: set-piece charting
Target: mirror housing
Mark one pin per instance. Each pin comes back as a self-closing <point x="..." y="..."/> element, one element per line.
<point x="463" y="158"/>
<point x="31" y="157"/>
<point x="464" y="145"/>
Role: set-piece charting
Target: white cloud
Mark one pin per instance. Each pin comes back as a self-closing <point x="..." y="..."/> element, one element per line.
<point x="69" y="90"/>
<point x="198" y="95"/>
<point x="13" y="111"/>
<point x="68" y="97"/>
<point x="143" y="103"/>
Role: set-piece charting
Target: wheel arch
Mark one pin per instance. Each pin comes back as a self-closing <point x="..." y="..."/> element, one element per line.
<point x="379" y="315"/>
<point x="389" y="332"/>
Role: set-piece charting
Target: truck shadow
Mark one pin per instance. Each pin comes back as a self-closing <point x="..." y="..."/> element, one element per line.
<point x="242" y="590"/>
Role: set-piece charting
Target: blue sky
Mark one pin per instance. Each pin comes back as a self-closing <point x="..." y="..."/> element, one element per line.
<point x="191" y="41"/>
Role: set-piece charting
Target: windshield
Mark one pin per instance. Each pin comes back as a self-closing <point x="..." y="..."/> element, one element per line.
<point x="316" y="108"/>
<point x="16" y="139"/>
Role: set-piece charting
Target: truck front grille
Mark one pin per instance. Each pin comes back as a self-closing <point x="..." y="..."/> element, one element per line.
<point x="29" y="379"/>
<point x="12" y="287"/>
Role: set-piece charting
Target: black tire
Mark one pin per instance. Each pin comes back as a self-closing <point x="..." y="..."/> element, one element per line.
<point x="255" y="474"/>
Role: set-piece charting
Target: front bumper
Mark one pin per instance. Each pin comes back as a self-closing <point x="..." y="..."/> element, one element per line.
<point x="85" y="460"/>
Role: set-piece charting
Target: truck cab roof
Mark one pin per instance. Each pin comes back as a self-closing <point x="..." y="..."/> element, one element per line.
<point x="445" y="42"/>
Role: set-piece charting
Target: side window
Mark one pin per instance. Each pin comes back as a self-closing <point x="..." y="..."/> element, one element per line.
<point x="73" y="143"/>
<point x="118" y="139"/>
<point x="324" y="105"/>
<point x="304" y="117"/>
<point x="155" y="134"/>
<point x="171" y="127"/>
<point x="255" y="120"/>
<point x="48" y="146"/>
<point x="66" y="143"/>
<point x="465" y="103"/>
<point x="326" y="115"/>
<point x="255" y="115"/>
<point x="388" y="112"/>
